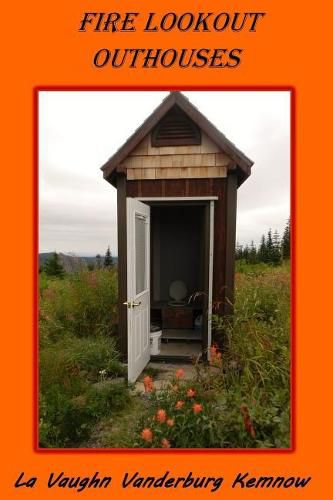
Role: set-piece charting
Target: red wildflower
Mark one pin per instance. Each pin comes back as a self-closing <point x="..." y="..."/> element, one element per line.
<point x="190" y="393"/>
<point x="161" y="416"/>
<point x="180" y="373"/>
<point x="147" y="435"/>
<point x="165" y="443"/>
<point x="247" y="420"/>
<point x="197" y="408"/>
<point x="148" y="384"/>
<point x="215" y="356"/>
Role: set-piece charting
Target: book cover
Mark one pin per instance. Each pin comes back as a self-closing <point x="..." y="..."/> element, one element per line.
<point x="166" y="306"/>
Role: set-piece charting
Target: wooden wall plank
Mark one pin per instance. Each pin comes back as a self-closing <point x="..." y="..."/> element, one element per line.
<point x="176" y="173"/>
<point x="207" y="145"/>
<point x="175" y="187"/>
<point x="145" y="147"/>
<point x="122" y="263"/>
<point x="176" y="160"/>
<point x="142" y="148"/>
<point x="230" y="223"/>
<point x="222" y="160"/>
<point x="148" y="173"/>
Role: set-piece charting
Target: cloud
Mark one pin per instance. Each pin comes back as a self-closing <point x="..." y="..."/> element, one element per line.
<point x="79" y="131"/>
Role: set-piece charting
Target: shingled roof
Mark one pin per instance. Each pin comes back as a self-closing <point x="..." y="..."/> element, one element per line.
<point x="241" y="161"/>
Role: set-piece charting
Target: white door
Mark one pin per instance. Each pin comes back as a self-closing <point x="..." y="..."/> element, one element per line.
<point x="138" y="287"/>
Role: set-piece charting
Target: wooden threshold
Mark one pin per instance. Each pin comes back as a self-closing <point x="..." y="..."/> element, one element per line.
<point x="181" y="334"/>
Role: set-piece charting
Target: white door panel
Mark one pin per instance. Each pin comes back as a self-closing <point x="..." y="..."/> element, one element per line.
<point x="138" y="287"/>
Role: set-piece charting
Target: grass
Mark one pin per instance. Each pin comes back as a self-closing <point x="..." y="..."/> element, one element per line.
<point x="119" y="431"/>
<point x="243" y="399"/>
<point x="80" y="375"/>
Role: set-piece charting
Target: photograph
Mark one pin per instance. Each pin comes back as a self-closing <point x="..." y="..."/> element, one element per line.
<point x="164" y="269"/>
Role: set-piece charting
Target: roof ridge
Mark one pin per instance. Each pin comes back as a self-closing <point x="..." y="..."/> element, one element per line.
<point x="243" y="163"/>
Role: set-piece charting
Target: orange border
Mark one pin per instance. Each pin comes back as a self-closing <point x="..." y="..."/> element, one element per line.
<point x="240" y="451"/>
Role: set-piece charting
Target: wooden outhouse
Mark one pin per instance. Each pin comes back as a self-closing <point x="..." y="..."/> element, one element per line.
<point x="176" y="179"/>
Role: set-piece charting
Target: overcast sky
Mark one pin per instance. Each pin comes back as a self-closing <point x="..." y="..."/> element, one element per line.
<point x="79" y="131"/>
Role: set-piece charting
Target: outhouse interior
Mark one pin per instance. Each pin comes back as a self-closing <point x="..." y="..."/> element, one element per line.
<point x="177" y="276"/>
<point x="176" y="178"/>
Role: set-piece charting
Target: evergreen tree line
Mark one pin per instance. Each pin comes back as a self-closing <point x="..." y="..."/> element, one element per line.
<point x="273" y="249"/>
<point x="107" y="262"/>
<point x="53" y="266"/>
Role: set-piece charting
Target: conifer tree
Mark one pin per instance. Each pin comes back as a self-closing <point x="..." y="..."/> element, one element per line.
<point x="108" y="261"/>
<point x="52" y="266"/>
<point x="276" y="250"/>
<point x="262" y="252"/>
<point x="98" y="261"/>
<point x="285" y="244"/>
<point x="252" y="257"/>
<point x="239" y="251"/>
<point x="246" y="252"/>
<point x="269" y="247"/>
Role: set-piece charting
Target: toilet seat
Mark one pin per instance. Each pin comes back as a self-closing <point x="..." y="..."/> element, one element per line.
<point x="177" y="292"/>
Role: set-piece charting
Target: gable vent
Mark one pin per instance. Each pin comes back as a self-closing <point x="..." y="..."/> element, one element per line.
<point x="175" y="129"/>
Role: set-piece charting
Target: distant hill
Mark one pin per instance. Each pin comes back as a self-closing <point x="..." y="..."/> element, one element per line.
<point x="72" y="263"/>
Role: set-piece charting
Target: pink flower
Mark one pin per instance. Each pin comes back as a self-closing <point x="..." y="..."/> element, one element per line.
<point x="170" y="422"/>
<point x="190" y="393"/>
<point x="180" y="404"/>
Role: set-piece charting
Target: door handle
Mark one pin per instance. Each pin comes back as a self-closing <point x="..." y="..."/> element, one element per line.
<point x="130" y="304"/>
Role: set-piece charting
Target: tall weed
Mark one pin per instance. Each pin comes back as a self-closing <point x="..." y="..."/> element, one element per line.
<point x="83" y="304"/>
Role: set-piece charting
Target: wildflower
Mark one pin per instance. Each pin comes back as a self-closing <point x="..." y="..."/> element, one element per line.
<point x="180" y="373"/>
<point x="190" y="393"/>
<point x="147" y="435"/>
<point x="197" y="408"/>
<point x="170" y="422"/>
<point x="148" y="384"/>
<point x="215" y="356"/>
<point x="247" y="420"/>
<point x="180" y="404"/>
<point x="213" y="351"/>
<point x="161" y="416"/>
<point x="165" y="443"/>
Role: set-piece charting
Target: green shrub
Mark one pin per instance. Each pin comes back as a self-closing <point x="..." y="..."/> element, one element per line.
<point x="257" y="351"/>
<point x="73" y="359"/>
<point x="190" y="420"/>
<point x="69" y="402"/>
<point x="196" y="414"/>
<point x="245" y="397"/>
<point x="83" y="304"/>
<point x="225" y="417"/>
